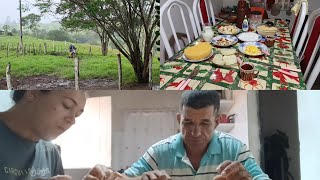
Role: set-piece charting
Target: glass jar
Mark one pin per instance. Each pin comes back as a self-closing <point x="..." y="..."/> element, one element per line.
<point x="207" y="33"/>
<point x="255" y="19"/>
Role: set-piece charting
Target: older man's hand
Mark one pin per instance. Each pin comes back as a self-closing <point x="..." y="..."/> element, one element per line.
<point x="98" y="172"/>
<point x="232" y="171"/>
<point x="155" y="175"/>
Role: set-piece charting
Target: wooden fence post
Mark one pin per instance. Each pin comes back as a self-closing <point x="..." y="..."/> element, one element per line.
<point x="34" y="50"/>
<point x="8" y="49"/>
<point x="24" y="49"/>
<point x="8" y="76"/>
<point x="119" y="71"/>
<point x="45" y="48"/>
<point x="17" y="51"/>
<point x="76" y="73"/>
<point x="65" y="46"/>
<point x="150" y="71"/>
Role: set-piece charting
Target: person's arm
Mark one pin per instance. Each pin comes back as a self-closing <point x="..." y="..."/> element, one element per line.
<point x="58" y="170"/>
<point x="245" y="157"/>
<point x="148" y="162"/>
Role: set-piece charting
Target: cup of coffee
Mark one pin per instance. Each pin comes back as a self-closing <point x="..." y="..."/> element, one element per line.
<point x="247" y="71"/>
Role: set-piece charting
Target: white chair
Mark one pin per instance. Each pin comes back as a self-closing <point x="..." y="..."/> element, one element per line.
<point x="314" y="74"/>
<point x="167" y="6"/>
<point x="306" y="33"/>
<point x="310" y="53"/>
<point x="300" y="21"/>
<point x="198" y="13"/>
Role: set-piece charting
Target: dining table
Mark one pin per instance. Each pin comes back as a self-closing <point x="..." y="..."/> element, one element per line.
<point x="209" y="76"/>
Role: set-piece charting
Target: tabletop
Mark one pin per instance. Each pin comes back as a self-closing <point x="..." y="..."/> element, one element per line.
<point x="212" y="77"/>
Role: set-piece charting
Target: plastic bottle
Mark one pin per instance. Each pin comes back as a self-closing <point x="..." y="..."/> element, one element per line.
<point x="245" y="24"/>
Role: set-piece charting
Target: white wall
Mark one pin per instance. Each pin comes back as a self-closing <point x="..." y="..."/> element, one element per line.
<point x="240" y="108"/>
<point x="308" y="109"/>
<point x="123" y="101"/>
<point x="254" y="129"/>
<point x="247" y="126"/>
<point x="6" y="101"/>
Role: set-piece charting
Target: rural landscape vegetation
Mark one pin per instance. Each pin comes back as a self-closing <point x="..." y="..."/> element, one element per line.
<point x="37" y="56"/>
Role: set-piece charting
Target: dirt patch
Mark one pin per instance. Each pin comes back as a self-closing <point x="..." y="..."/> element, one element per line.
<point x="56" y="83"/>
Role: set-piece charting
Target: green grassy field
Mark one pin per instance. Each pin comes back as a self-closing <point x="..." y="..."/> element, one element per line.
<point x="91" y="66"/>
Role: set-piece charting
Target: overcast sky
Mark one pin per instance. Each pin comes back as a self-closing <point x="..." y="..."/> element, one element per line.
<point x="10" y="8"/>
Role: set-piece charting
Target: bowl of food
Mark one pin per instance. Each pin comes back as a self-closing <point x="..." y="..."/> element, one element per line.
<point x="224" y="40"/>
<point x="228" y="30"/>
<point x="266" y="30"/>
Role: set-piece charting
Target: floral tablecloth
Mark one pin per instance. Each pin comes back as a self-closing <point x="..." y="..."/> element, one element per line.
<point x="211" y="77"/>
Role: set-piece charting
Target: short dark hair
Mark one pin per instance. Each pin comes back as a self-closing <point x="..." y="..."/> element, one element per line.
<point x="18" y="95"/>
<point x="200" y="99"/>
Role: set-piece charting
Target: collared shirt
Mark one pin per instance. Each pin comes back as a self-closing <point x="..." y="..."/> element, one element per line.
<point x="170" y="155"/>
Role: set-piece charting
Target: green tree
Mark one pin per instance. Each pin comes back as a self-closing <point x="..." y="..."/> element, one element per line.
<point x="58" y="35"/>
<point x="129" y="24"/>
<point x="6" y="28"/>
<point x="75" y="20"/>
<point x="14" y="31"/>
<point x="31" y="22"/>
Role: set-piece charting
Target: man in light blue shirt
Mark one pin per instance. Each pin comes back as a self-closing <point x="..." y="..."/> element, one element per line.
<point x="198" y="152"/>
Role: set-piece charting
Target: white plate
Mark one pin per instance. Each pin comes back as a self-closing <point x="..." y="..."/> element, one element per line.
<point x="189" y="60"/>
<point x="249" y="37"/>
<point x="261" y="46"/>
<point x="232" y="39"/>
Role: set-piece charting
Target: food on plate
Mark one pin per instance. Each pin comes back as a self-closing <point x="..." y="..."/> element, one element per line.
<point x="229" y="60"/>
<point x="228" y="29"/>
<point x="224" y="60"/>
<point x="267" y="28"/>
<point x="200" y="51"/>
<point x="252" y="50"/>
<point x="228" y="51"/>
<point x="224" y="42"/>
<point x="218" y="59"/>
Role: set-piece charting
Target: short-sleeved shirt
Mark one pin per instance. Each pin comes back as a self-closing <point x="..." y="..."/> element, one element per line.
<point x="21" y="159"/>
<point x="170" y="155"/>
